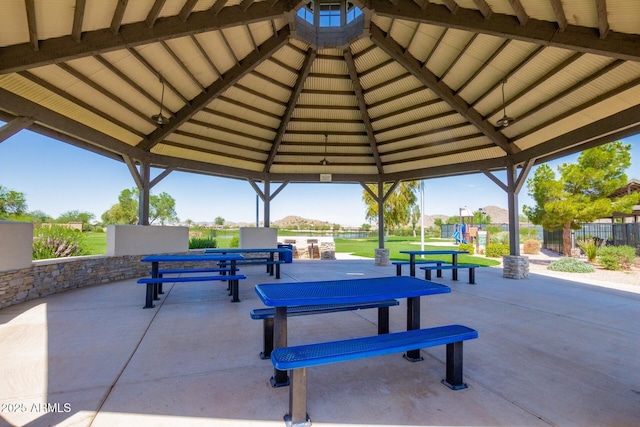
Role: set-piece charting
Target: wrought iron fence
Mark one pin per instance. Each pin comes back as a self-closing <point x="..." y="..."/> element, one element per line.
<point x="610" y="234"/>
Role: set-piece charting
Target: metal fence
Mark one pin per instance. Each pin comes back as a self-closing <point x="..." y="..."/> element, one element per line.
<point x="611" y="234"/>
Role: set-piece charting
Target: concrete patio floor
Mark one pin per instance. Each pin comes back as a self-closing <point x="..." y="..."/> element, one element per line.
<point x="550" y="352"/>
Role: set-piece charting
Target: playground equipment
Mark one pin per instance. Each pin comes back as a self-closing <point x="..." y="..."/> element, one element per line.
<point x="459" y="232"/>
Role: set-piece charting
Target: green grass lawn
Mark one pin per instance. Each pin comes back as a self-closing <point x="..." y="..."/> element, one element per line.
<point x="366" y="248"/>
<point x="96" y="243"/>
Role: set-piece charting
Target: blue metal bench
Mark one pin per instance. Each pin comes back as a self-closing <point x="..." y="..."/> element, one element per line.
<point x="399" y="265"/>
<point x="472" y="271"/>
<point x="152" y="282"/>
<point x="297" y="359"/>
<point x="266" y="315"/>
<point x="259" y="261"/>
<point x="161" y="273"/>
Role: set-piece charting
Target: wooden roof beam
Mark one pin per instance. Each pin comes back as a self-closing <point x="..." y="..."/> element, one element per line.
<point x="582" y="39"/>
<point x="458" y="104"/>
<point x="366" y="120"/>
<point x="561" y="18"/>
<point x="78" y="18"/>
<point x="218" y="87"/>
<point x="61" y="49"/>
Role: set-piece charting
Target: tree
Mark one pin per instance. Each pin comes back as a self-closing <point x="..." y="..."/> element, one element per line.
<point x="414" y="218"/>
<point x="161" y="207"/>
<point x="581" y="194"/>
<point x="12" y="203"/>
<point x="397" y="208"/>
<point x="219" y="221"/>
<point x="76" y="216"/>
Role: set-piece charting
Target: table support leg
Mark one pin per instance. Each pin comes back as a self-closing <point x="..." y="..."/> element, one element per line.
<point x="149" y="296"/>
<point x="297" y="415"/>
<point x="454" y="272"/>
<point x="413" y="322"/>
<point x="454" y="378"/>
<point x="235" y="291"/>
<point x="280" y="378"/>
<point x="412" y="265"/>
<point x="383" y="320"/>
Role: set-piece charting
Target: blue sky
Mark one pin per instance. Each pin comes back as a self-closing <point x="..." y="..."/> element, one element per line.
<point x="56" y="177"/>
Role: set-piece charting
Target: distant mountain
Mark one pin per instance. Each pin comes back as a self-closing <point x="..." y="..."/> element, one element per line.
<point x="498" y="216"/>
<point x="292" y="220"/>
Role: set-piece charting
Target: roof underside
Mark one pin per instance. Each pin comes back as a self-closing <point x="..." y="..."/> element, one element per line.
<point x="411" y="89"/>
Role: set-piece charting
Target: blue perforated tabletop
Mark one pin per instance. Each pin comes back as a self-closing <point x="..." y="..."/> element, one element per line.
<point x="346" y="291"/>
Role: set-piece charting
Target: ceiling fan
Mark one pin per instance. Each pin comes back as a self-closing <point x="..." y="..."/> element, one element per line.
<point x="159" y="118"/>
<point x="505" y="121"/>
<point x="324" y="161"/>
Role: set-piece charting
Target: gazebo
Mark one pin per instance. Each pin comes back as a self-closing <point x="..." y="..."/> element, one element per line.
<point x="369" y="92"/>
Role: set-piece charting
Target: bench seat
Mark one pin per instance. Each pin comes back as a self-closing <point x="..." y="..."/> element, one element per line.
<point x="472" y="268"/>
<point x="194" y="270"/>
<point x="259" y="261"/>
<point x="399" y="264"/>
<point x="153" y="283"/>
<point x="298" y="358"/>
<point x="267" y="314"/>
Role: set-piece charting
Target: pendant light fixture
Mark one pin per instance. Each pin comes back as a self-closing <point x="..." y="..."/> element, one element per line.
<point x="159" y="118"/>
<point x="324" y="161"/>
<point x="505" y="121"/>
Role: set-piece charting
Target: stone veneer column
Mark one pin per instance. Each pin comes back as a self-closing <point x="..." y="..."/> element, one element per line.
<point x="515" y="267"/>
<point x="382" y="256"/>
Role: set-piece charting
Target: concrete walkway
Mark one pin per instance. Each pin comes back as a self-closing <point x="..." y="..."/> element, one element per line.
<point x="550" y="352"/>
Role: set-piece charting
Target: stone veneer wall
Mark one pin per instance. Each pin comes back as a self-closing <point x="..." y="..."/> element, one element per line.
<point x="515" y="267"/>
<point x="54" y="276"/>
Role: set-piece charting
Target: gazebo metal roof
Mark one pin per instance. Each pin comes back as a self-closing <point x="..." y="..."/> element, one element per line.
<point x="404" y="90"/>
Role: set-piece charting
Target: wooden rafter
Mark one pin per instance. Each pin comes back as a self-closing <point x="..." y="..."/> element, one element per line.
<point x="428" y="79"/>
<point x="366" y="120"/>
<point x="217" y="88"/>
<point x="78" y="18"/>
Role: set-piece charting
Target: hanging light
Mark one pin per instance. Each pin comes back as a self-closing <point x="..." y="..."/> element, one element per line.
<point x="159" y="118"/>
<point x="324" y="161"/>
<point x="505" y="120"/>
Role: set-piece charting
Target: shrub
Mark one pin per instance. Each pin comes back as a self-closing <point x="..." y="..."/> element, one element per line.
<point x="467" y="247"/>
<point x="617" y="257"/>
<point x="202" y="243"/>
<point x="589" y="248"/>
<point x="234" y="242"/>
<point x="531" y="247"/>
<point x="528" y="234"/>
<point x="497" y="250"/>
<point x="57" y="242"/>
<point x="571" y="265"/>
<point x="500" y="237"/>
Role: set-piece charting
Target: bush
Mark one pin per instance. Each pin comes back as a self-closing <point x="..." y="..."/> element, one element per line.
<point x="496" y="250"/>
<point x="467" y="247"/>
<point x="617" y="257"/>
<point x="528" y="234"/>
<point x="571" y="265"/>
<point x="500" y="237"/>
<point x="57" y="242"/>
<point x="202" y="243"/>
<point x="531" y="247"/>
<point x="234" y="242"/>
<point x="590" y="248"/>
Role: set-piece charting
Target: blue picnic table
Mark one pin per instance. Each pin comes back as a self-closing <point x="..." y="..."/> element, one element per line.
<point x="285" y="255"/>
<point x="155" y="260"/>
<point x="283" y="295"/>
<point x="454" y="259"/>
